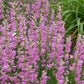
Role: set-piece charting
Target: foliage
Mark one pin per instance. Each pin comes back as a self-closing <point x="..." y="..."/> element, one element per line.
<point x="73" y="15"/>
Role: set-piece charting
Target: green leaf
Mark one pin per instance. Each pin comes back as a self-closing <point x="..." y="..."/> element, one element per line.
<point x="67" y="17"/>
<point x="77" y="12"/>
<point x="78" y="22"/>
<point x="63" y="13"/>
<point x="81" y="28"/>
<point x="76" y="1"/>
<point x="71" y="27"/>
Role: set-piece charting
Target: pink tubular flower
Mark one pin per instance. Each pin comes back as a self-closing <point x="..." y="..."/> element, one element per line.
<point x="32" y="43"/>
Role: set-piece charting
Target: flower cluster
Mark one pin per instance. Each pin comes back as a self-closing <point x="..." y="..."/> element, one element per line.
<point x="33" y="49"/>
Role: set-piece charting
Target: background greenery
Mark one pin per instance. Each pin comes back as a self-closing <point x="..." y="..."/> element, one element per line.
<point x="73" y="15"/>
